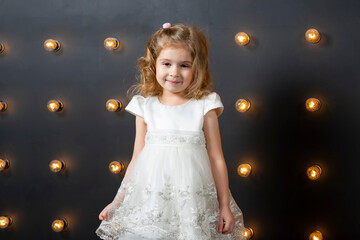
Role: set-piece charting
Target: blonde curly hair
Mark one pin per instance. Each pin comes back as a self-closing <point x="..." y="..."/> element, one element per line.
<point x="176" y="35"/>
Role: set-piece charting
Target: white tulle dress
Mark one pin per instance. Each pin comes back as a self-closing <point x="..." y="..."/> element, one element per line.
<point x="170" y="194"/>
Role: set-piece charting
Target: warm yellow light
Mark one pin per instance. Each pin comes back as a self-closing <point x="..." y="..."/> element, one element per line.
<point x="242" y="105"/>
<point x="316" y="235"/>
<point x="51" y="45"/>
<point x="2" y="47"/>
<point x="5" y="221"/>
<point x="55" y="105"/>
<point x="111" y="43"/>
<point x="312" y="104"/>
<point x="56" y="165"/>
<point x="116" y="167"/>
<point x="113" y="105"/>
<point x="312" y="35"/>
<point x="314" y="172"/>
<point x="242" y="38"/>
<point x="59" y="224"/>
<point x="3" y="106"/>
<point x="244" y="170"/>
<point x="4" y="164"/>
<point x="249" y="233"/>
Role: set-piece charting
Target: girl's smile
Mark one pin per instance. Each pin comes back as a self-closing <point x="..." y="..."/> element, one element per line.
<point x="173" y="82"/>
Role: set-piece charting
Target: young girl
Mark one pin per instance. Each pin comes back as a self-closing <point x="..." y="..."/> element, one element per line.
<point x="176" y="185"/>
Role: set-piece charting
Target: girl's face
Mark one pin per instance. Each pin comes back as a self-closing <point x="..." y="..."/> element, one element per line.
<point x="173" y="69"/>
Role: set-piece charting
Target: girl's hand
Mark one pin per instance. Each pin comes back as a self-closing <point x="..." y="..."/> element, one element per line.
<point x="226" y="221"/>
<point x="104" y="213"/>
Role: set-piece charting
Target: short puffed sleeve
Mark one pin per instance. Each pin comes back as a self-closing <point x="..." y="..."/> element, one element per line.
<point x="136" y="105"/>
<point x="213" y="101"/>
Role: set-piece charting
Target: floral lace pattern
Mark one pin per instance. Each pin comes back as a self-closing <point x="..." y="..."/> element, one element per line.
<point x="173" y="138"/>
<point x="169" y="195"/>
<point x="172" y="212"/>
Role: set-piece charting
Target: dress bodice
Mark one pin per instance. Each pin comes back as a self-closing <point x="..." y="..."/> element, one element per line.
<point x="186" y="117"/>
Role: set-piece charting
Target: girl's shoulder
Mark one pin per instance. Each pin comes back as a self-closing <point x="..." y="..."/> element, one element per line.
<point x="140" y="99"/>
<point x="136" y="105"/>
<point x="213" y="101"/>
<point x="210" y="96"/>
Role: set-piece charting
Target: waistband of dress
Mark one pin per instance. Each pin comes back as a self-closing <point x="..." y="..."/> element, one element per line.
<point x="175" y="137"/>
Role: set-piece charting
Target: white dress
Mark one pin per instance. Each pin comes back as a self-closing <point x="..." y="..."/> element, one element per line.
<point x="170" y="194"/>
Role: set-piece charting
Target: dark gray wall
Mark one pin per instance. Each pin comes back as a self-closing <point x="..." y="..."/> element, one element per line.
<point x="277" y="72"/>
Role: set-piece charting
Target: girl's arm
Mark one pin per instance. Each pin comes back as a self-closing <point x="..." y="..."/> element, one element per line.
<point x="219" y="171"/>
<point x="139" y="144"/>
<point x="218" y="165"/>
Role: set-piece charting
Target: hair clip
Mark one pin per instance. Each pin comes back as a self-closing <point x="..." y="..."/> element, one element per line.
<point x="166" y="25"/>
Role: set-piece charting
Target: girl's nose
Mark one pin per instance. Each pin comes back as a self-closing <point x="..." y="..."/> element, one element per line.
<point x="174" y="71"/>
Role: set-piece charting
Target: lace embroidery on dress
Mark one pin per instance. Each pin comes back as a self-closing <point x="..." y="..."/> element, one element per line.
<point x="174" y="138"/>
<point x="187" y="213"/>
<point x="168" y="211"/>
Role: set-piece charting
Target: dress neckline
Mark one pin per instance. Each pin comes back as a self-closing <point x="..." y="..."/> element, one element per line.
<point x="179" y="105"/>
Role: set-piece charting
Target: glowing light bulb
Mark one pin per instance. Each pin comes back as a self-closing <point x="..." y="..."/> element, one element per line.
<point x="4" y="164"/>
<point x="312" y="35"/>
<point x="249" y="233"/>
<point x="59" y="224"/>
<point x="244" y="170"/>
<point x="242" y="105"/>
<point x="51" y="45"/>
<point x="116" y="167"/>
<point x="2" y="47"/>
<point x="3" y="106"/>
<point x="55" y="105"/>
<point x="5" y="222"/>
<point x="56" y="165"/>
<point x="312" y="104"/>
<point x="111" y="43"/>
<point x="113" y="105"/>
<point x="316" y="235"/>
<point x="314" y="172"/>
<point x="242" y="38"/>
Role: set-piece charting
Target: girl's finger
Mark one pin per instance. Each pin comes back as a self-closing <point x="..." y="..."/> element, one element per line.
<point x="231" y="228"/>
<point x="226" y="227"/>
<point x="221" y="225"/>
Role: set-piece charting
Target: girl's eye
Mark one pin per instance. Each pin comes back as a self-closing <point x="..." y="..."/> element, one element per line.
<point x="182" y="65"/>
